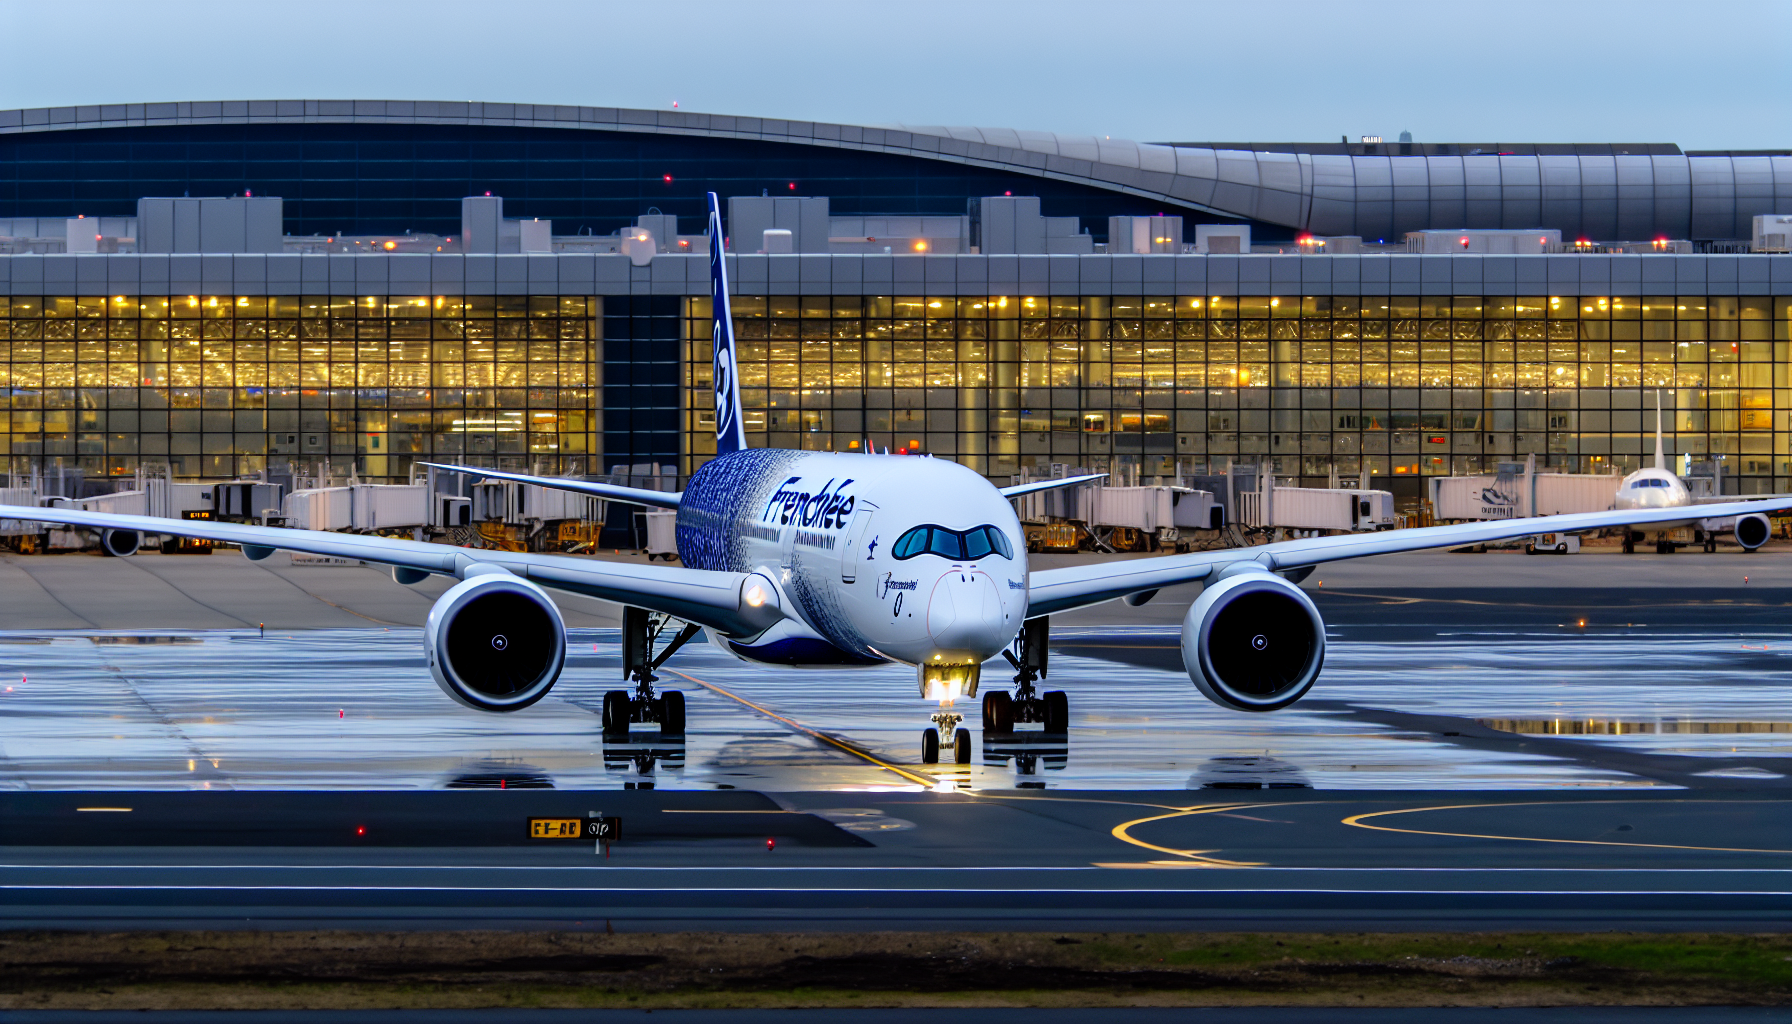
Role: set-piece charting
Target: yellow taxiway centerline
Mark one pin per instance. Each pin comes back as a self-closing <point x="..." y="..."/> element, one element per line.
<point x="912" y="776"/>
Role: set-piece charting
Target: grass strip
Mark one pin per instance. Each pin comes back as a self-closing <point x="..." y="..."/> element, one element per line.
<point x="467" y="969"/>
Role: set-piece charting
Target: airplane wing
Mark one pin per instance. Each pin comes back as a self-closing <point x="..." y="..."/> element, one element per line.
<point x="610" y="492"/>
<point x="1050" y="485"/>
<point x="1056" y="590"/>
<point x="1737" y="498"/>
<point x="713" y="599"/>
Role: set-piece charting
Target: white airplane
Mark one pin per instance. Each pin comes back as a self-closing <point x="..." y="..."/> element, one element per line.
<point x="1656" y="487"/>
<point x="827" y="560"/>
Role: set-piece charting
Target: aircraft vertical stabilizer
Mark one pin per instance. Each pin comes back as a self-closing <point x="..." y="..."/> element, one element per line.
<point x="1661" y="459"/>
<point x="731" y="435"/>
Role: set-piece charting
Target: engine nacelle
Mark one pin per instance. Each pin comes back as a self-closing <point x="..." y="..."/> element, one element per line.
<point x="495" y="642"/>
<point x="1752" y="530"/>
<point x="1253" y="642"/>
<point x="120" y="543"/>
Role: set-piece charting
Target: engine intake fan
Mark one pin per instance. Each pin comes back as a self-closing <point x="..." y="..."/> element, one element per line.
<point x="495" y="642"/>
<point x="1253" y="642"/>
<point x="1753" y="530"/>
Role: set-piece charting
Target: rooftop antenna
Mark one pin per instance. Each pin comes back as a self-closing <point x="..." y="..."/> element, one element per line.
<point x="1661" y="460"/>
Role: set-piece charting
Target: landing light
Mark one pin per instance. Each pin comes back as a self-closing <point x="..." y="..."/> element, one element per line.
<point x="756" y="596"/>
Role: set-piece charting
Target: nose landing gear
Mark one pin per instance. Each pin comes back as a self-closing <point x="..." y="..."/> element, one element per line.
<point x="947" y="725"/>
<point x="640" y="629"/>
<point x="1002" y="711"/>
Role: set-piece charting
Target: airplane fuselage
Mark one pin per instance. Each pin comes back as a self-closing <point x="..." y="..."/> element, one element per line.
<point x="881" y="558"/>
<point x="1654" y="489"/>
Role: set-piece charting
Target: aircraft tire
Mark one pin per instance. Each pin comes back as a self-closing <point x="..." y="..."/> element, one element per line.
<point x="616" y="713"/>
<point x="672" y="713"/>
<point x="998" y="713"/>
<point x="1629" y="548"/>
<point x="930" y="746"/>
<point x="1057" y="712"/>
<point x="961" y="747"/>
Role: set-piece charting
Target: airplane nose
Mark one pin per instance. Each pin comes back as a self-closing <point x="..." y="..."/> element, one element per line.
<point x="964" y="615"/>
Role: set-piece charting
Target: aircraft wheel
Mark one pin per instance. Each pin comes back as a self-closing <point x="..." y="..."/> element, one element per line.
<point x="672" y="713"/>
<point x="998" y="713"/>
<point x="930" y="746"/>
<point x="961" y="747"/>
<point x="616" y="713"/>
<point x="1710" y="546"/>
<point x="1629" y="548"/>
<point x="1057" y="712"/>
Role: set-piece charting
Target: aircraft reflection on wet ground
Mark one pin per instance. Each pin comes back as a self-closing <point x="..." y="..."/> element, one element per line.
<point x="355" y="709"/>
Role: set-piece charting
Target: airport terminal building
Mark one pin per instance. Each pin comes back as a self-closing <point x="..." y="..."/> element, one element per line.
<point x="376" y="283"/>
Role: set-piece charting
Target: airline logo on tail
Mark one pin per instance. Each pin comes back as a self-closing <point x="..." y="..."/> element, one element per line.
<point x="731" y="435"/>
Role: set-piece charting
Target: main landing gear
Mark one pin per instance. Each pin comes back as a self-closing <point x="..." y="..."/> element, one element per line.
<point x="640" y="630"/>
<point x="1001" y="711"/>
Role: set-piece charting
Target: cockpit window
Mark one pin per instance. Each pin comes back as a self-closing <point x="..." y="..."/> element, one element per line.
<point x="959" y="545"/>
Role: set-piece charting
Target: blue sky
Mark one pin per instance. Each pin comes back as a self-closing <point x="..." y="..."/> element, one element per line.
<point x="1710" y="75"/>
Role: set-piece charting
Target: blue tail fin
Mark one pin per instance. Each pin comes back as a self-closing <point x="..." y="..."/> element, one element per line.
<point x="731" y="435"/>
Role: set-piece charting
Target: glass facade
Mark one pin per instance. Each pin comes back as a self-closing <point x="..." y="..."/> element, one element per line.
<point x="1402" y="386"/>
<point x="217" y="386"/>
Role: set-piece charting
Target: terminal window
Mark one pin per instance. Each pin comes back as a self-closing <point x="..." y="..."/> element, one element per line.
<point x="1426" y="385"/>
<point x="217" y="386"/>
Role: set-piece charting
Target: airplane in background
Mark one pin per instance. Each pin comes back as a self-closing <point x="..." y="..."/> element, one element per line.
<point x="828" y="560"/>
<point x="1657" y="487"/>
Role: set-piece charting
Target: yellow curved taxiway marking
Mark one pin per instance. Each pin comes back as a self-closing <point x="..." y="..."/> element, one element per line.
<point x="1123" y="832"/>
<point x="915" y="777"/>
<point x="1357" y="820"/>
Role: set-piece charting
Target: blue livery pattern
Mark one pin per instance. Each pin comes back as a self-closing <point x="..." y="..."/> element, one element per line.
<point x="804" y="651"/>
<point x="731" y="433"/>
<point x="713" y="501"/>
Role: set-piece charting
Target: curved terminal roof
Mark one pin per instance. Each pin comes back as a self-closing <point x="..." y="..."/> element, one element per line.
<point x="1601" y="196"/>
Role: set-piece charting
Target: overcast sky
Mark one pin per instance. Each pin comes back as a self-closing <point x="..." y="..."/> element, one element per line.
<point x="1706" y="75"/>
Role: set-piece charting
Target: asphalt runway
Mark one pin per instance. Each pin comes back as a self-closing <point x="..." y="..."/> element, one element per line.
<point x="1498" y="741"/>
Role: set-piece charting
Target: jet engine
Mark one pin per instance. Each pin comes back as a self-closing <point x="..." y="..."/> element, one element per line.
<point x="495" y="642"/>
<point x="1752" y="530"/>
<point x="1253" y="642"/>
<point x="120" y="543"/>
